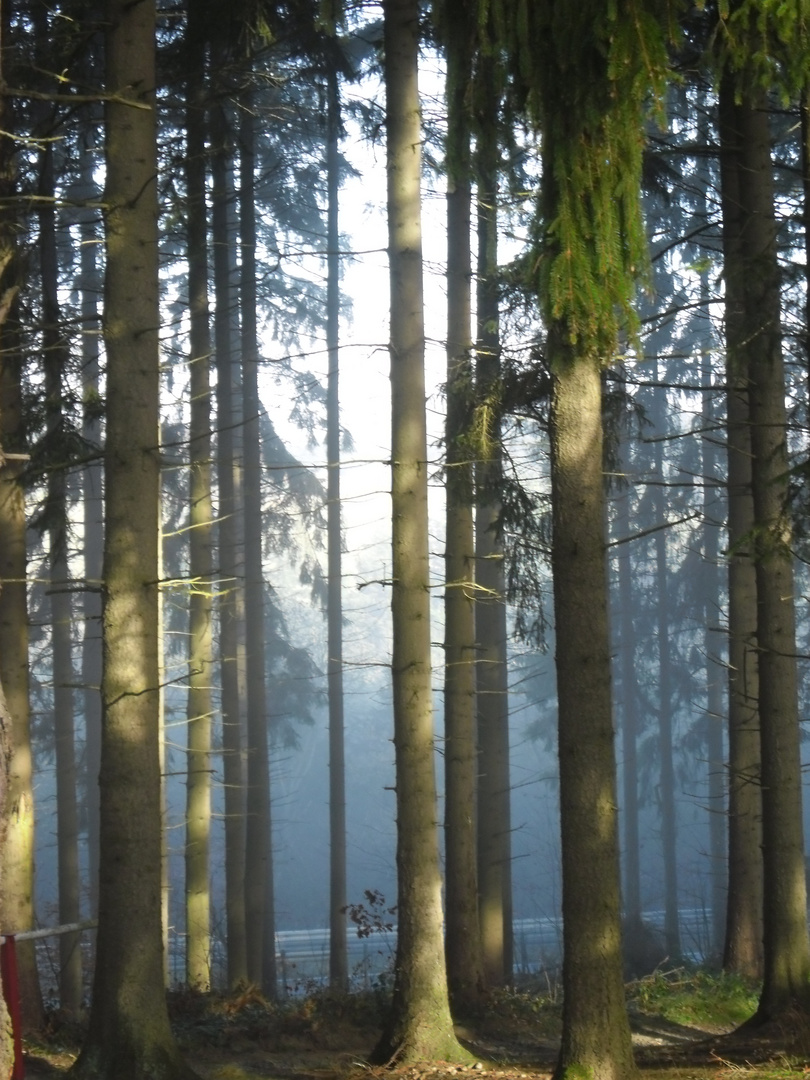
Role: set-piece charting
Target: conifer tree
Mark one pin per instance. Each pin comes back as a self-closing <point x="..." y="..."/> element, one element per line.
<point x="338" y="953"/>
<point x="462" y="935"/>
<point x="419" y="1026"/>
<point x="129" y="1035"/>
<point x="492" y="694"/>
<point x="16" y="784"/>
<point x="759" y="51"/>
<point x="587" y="73"/>
<point x="230" y="598"/>
<point x="200" y="651"/>
<point x="259" y="899"/>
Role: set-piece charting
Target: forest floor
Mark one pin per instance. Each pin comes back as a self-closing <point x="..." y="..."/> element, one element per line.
<point x="685" y="1027"/>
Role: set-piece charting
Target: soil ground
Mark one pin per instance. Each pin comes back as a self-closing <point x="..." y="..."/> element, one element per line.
<point x="330" y="1038"/>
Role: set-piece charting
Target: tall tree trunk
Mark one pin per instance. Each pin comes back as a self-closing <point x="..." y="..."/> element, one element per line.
<point x="714" y="508"/>
<point x="713" y="649"/>
<point x="259" y="906"/>
<point x="630" y="724"/>
<point x="492" y="692"/>
<point x="462" y="936"/>
<point x="17" y="871"/>
<point x="596" y="1032"/>
<point x="8" y="1049"/>
<point x="129" y="1034"/>
<point x="230" y="587"/>
<point x="200" y="647"/>
<point x="338" y="948"/>
<point x="743" y="943"/>
<point x="93" y="511"/>
<point x="419" y="1026"/>
<point x="67" y="819"/>
<point x="785" y="937"/>
<point x="668" y="811"/>
<point x="165" y="879"/>
<point x="18" y="849"/>
<point x="804" y="111"/>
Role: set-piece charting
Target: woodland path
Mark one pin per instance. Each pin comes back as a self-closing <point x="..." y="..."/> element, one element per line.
<point x="664" y="1051"/>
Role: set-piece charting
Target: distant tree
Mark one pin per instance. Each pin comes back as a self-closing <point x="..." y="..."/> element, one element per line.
<point x="419" y="1026"/>
<point x="666" y="750"/>
<point x="631" y="891"/>
<point x="714" y="649"/>
<point x="492" y="694"/>
<point x="201" y="586"/>
<point x="128" y="1034"/>
<point x="55" y="353"/>
<point x="230" y="599"/>
<point x="461" y="766"/>
<point x="92" y="498"/>
<point x="338" y="950"/>
<point x="714" y="504"/>
<point x="259" y="892"/>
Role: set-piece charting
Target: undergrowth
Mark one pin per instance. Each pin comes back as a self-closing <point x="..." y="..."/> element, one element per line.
<point x="320" y="1017"/>
<point x="696" y="998"/>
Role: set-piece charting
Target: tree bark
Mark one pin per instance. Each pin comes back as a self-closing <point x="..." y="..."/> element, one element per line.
<point x="229" y="595"/>
<point x="786" y="944"/>
<point x="17" y="910"/>
<point x="713" y="649"/>
<point x="259" y="906"/>
<point x="419" y="1026"/>
<point x="7" y="1041"/>
<point x="462" y="936"/>
<point x="629" y="725"/>
<point x="55" y="353"/>
<point x="92" y="510"/>
<point x="743" y="942"/>
<point x="596" y="1032"/>
<point x="200" y="647"/>
<point x="16" y="789"/>
<point x="667" y="808"/>
<point x="338" y="947"/>
<point x="129" y="1034"/>
<point x="492" y="691"/>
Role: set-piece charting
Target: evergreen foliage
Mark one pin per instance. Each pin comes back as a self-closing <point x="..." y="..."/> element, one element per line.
<point x="589" y="75"/>
<point x="766" y="43"/>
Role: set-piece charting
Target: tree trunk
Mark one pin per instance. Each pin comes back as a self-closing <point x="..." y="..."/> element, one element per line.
<point x="668" y="811"/>
<point x="93" y="512"/>
<point x="129" y="1034"/>
<point x="743" y="943"/>
<point x="18" y="849"/>
<point x="55" y="353"/>
<point x="419" y="1027"/>
<point x="165" y="880"/>
<point x="630" y="725"/>
<point x="338" y="947"/>
<point x="785" y="938"/>
<point x="200" y="646"/>
<point x="7" y="1042"/>
<point x="462" y="936"/>
<point x="492" y="691"/>
<point x="259" y="906"/>
<point x="230" y="587"/>
<point x="713" y="649"/>
<point x="17" y="870"/>
<point x="596" y="1032"/>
